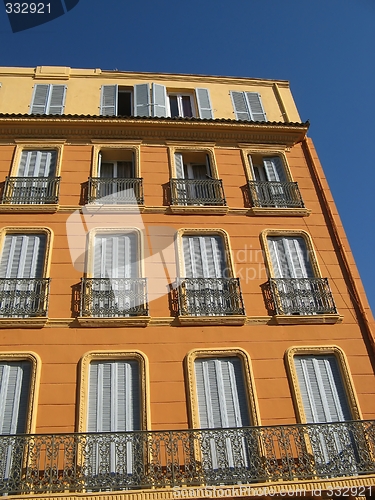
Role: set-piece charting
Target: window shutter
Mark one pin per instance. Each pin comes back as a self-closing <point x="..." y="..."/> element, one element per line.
<point x="255" y="107"/>
<point x="289" y="257"/>
<point x="39" y="100"/>
<point x="57" y="99"/>
<point x="14" y="396"/>
<point x="204" y="256"/>
<point x="114" y="396"/>
<point x="322" y="390"/>
<point x="240" y="106"/>
<point x="204" y="103"/>
<point x="159" y="100"/>
<point x="109" y="100"/>
<point x="37" y="164"/>
<point x="179" y="164"/>
<point x="23" y="256"/>
<point x="142" y="99"/>
<point x="115" y="256"/>
<point x="221" y="392"/>
<point x="274" y="169"/>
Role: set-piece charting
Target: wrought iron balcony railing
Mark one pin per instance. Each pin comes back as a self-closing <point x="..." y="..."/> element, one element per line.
<point x="156" y="459"/>
<point x="210" y="297"/>
<point x="23" y="297"/>
<point x="115" y="191"/>
<point x="302" y="296"/>
<point x="275" y="194"/>
<point x="197" y="192"/>
<point x="31" y="190"/>
<point x="114" y="297"/>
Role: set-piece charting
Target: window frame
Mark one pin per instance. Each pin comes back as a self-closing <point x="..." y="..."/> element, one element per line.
<point x="346" y="377"/>
<point x="191" y="382"/>
<point x="83" y="386"/>
<point x="209" y="151"/>
<point x="35" y="373"/>
<point x="247" y="153"/>
<point x="128" y="146"/>
<point x="180" y="95"/>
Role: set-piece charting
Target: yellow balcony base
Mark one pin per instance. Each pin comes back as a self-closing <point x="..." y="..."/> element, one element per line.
<point x="198" y="209"/>
<point x="23" y="322"/>
<point x="212" y="320"/>
<point x="114" y="322"/>
<point x="283" y="212"/>
<point x="291" y="319"/>
<point x="35" y="208"/>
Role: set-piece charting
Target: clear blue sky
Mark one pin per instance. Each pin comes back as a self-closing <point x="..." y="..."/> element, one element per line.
<point x="325" y="48"/>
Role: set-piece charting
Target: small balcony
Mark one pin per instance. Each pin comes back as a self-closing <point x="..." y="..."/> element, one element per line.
<point x="24" y="297"/>
<point x="210" y="297"/>
<point x="113" y="297"/>
<point x="302" y="296"/>
<point x="266" y="194"/>
<point x="278" y="456"/>
<point x="31" y="190"/>
<point x="115" y="191"/>
<point x="197" y="192"/>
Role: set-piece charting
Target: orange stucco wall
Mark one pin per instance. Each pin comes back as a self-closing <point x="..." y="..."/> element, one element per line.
<point x="61" y="349"/>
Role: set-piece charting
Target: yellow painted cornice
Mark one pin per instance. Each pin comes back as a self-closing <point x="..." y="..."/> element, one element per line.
<point x="86" y="127"/>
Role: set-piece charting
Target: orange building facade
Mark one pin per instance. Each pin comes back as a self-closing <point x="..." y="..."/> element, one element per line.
<point x="172" y="260"/>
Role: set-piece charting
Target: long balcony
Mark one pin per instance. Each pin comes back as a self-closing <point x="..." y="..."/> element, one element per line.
<point x="23" y="297"/>
<point x="194" y="192"/>
<point x="31" y="190"/>
<point x="210" y="297"/>
<point x="266" y="194"/>
<point x="45" y="463"/>
<point x="115" y="191"/>
<point x="302" y="296"/>
<point x="113" y="297"/>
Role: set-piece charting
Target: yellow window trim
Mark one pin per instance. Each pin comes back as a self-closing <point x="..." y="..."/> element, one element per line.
<point x="37" y="146"/>
<point x="36" y="364"/>
<point x="113" y="356"/>
<point x="344" y="371"/>
<point x="264" y="152"/>
<point x="289" y="233"/>
<point x="131" y="146"/>
<point x="192" y="149"/>
<point x="237" y="352"/>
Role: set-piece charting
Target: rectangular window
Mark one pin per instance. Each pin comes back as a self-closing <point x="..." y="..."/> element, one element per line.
<point x="181" y="105"/>
<point x="222" y="403"/>
<point x="195" y="184"/>
<point x="124" y="101"/>
<point x="325" y="401"/>
<point x="23" y="289"/>
<point x="248" y="106"/>
<point x="114" y="407"/>
<point x="48" y="99"/>
<point x="36" y="181"/>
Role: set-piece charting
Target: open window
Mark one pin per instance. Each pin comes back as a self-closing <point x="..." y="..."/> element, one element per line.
<point x="117" y="100"/>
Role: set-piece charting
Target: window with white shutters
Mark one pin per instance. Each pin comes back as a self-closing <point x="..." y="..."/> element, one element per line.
<point x="124" y="101"/>
<point x="290" y="257"/>
<point x="23" y="290"/>
<point x="248" y="106"/>
<point x="48" y="99"/>
<point x="114" y="406"/>
<point x="204" y="256"/>
<point x="222" y="404"/>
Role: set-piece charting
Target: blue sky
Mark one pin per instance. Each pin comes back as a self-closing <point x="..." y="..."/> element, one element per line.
<point x="324" y="48"/>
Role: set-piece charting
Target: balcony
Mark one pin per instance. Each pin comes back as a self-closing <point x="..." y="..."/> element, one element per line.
<point x="115" y="191"/>
<point x="302" y="296"/>
<point x="113" y="297"/>
<point x="266" y="194"/>
<point x="42" y="464"/>
<point x="210" y="297"/>
<point x="31" y="190"/>
<point x="23" y="297"/>
<point x="193" y="192"/>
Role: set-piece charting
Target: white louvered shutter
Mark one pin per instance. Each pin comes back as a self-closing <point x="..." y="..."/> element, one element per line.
<point x="289" y="257"/>
<point x="274" y="169"/>
<point x="240" y="105"/>
<point x="37" y="164"/>
<point x="204" y="103"/>
<point x="255" y="107"/>
<point x="179" y="164"/>
<point x="115" y="256"/>
<point x="39" y="100"/>
<point x="23" y="256"/>
<point x="204" y="256"/>
<point x="14" y="396"/>
<point x="159" y="100"/>
<point x="56" y="99"/>
<point x="322" y="389"/>
<point x="142" y="99"/>
<point x="109" y="100"/>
